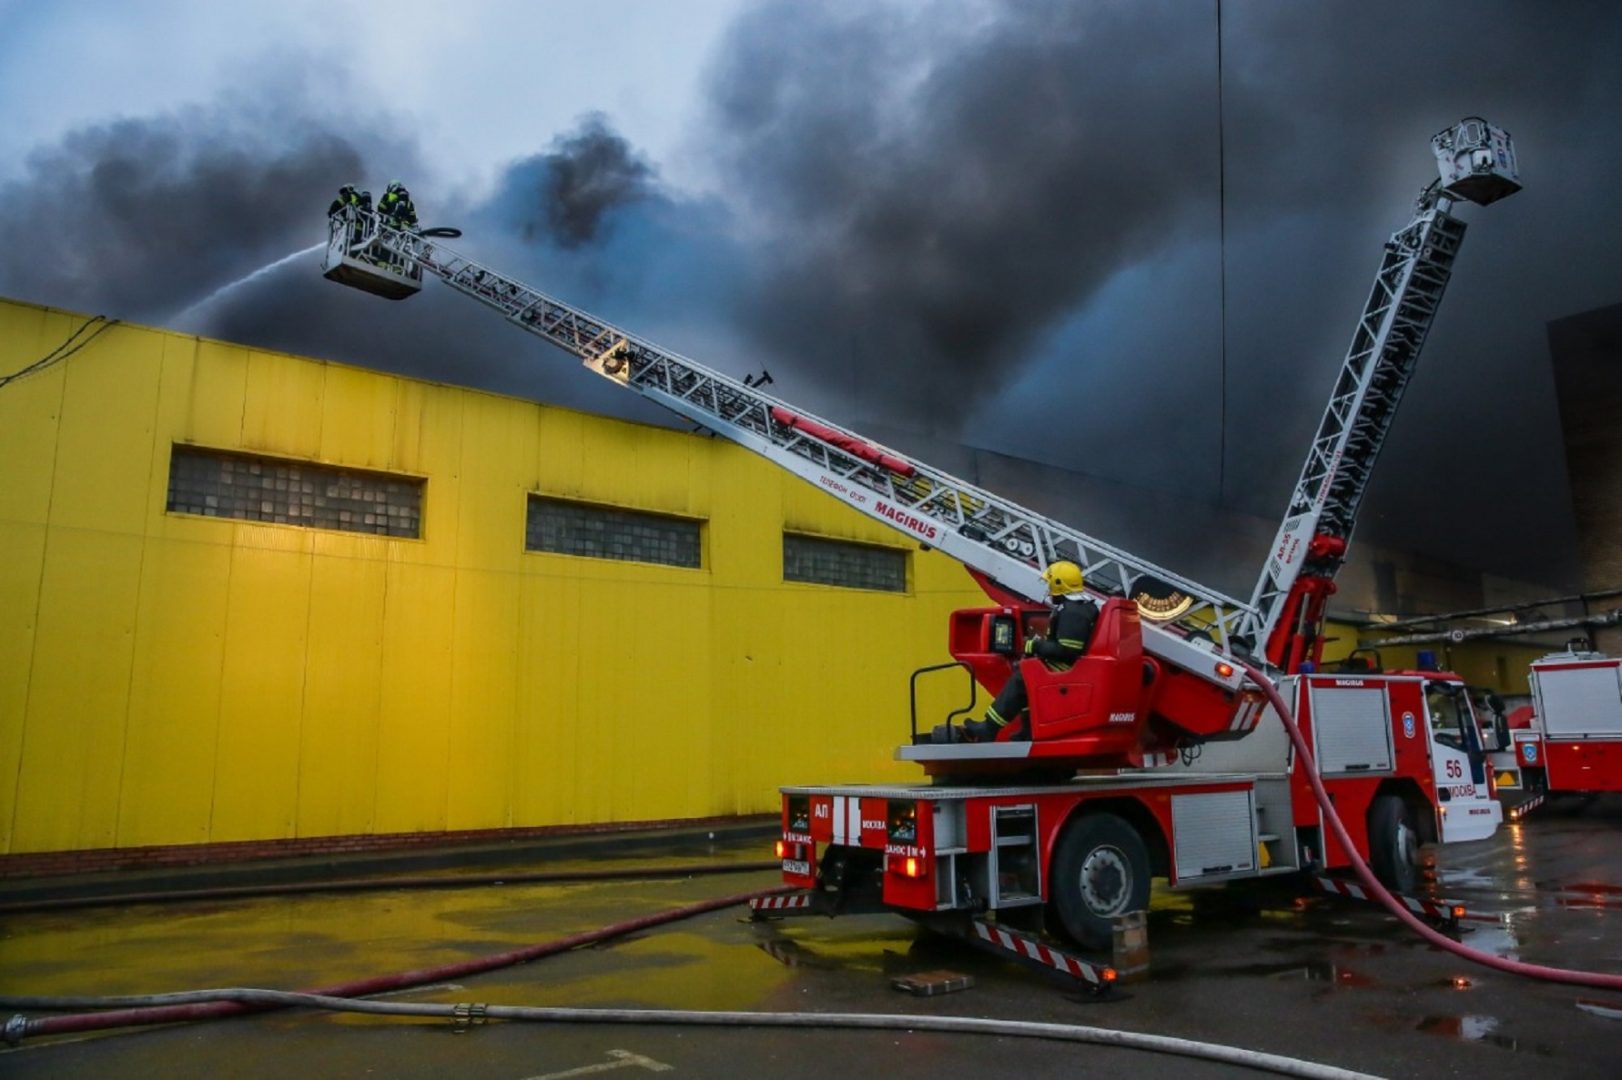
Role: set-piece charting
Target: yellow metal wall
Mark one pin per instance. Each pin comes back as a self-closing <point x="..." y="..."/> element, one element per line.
<point x="174" y="679"/>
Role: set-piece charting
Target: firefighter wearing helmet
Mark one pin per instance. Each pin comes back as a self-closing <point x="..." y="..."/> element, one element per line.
<point x="1070" y="629"/>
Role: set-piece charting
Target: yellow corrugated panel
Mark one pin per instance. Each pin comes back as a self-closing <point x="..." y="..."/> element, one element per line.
<point x="414" y="698"/>
<point x="205" y="392"/>
<point x="22" y="562"/>
<point x="561" y="455"/>
<point x="261" y="692"/>
<point x="282" y="412"/>
<point x="29" y="409"/>
<point x="643" y="650"/>
<point x="484" y="658"/>
<point x="411" y="398"/>
<point x="497" y="445"/>
<point x="548" y="732"/>
<point x="357" y="422"/>
<point x="435" y="419"/>
<point x="174" y="709"/>
<point x="72" y="748"/>
<point x="110" y="400"/>
<point x="338" y="750"/>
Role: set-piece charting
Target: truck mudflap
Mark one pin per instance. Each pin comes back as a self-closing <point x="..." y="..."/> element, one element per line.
<point x="1444" y="913"/>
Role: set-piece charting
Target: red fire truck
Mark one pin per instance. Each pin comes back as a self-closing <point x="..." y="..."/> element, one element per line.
<point x="1150" y="756"/>
<point x="1574" y="742"/>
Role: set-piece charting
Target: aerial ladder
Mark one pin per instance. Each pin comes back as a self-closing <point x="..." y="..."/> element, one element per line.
<point x="1190" y="633"/>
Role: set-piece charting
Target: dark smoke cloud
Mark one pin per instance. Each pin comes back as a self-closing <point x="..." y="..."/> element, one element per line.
<point x="995" y="224"/>
<point x="1008" y="231"/>
<point x="585" y="220"/>
<point x="565" y="194"/>
<point x="939" y="198"/>
<point x="139" y="217"/>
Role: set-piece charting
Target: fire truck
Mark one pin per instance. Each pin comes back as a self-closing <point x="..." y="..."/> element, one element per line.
<point x="1573" y="743"/>
<point x="1150" y="756"/>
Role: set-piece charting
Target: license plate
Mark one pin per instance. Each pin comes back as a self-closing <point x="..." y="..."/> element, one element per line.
<point x="797" y="866"/>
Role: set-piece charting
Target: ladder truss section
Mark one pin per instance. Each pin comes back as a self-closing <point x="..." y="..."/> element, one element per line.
<point x="1385" y="349"/>
<point x="1005" y="541"/>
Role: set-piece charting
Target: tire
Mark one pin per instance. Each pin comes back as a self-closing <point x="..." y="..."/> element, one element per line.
<point x="1100" y="871"/>
<point x="1394" y="844"/>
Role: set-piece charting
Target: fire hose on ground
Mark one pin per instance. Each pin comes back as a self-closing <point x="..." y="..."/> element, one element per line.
<point x="127" y="1011"/>
<point x="419" y="881"/>
<point x="475" y="1014"/>
<point x="137" y="1010"/>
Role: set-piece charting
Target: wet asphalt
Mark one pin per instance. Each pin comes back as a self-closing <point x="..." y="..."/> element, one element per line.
<point x="1261" y="968"/>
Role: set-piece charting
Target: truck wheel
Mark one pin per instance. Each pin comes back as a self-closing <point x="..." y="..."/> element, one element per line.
<point x="1394" y="844"/>
<point x="1100" y="871"/>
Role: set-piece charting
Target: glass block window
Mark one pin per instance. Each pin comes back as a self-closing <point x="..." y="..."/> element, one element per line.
<point x="249" y="488"/>
<point x="606" y="532"/>
<point x="820" y="561"/>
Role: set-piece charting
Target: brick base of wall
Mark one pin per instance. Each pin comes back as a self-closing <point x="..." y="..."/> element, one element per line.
<point x="94" y="860"/>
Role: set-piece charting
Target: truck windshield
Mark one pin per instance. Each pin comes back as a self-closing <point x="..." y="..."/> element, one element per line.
<point x="1447" y="716"/>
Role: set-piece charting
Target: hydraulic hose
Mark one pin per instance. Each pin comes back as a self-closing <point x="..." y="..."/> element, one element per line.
<point x="1379" y="891"/>
<point x="165" y="1014"/>
<point x="473" y="1013"/>
<point x="443" y="881"/>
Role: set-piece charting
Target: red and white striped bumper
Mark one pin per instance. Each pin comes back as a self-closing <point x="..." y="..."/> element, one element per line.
<point x="1029" y="949"/>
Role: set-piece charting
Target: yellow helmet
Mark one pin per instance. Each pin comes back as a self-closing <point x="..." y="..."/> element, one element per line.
<point x="1063" y="578"/>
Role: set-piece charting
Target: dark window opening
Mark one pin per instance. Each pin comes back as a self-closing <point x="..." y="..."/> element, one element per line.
<point x="246" y="487"/>
<point x="604" y="532"/>
<point x="817" y="560"/>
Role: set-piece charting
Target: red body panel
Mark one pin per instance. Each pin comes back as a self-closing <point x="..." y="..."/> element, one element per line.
<point x="1354" y="795"/>
<point x="1583" y="764"/>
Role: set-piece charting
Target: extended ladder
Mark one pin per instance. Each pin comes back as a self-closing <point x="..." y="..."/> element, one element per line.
<point x="1385" y="350"/>
<point x="1000" y="539"/>
<point x="1187" y="622"/>
<point x="1475" y="161"/>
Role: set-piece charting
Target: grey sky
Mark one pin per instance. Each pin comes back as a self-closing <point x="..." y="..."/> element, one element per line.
<point x="991" y="221"/>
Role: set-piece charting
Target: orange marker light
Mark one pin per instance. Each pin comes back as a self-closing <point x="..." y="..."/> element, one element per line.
<point x="1224" y="669"/>
<point x="912" y="867"/>
<point x="782" y="849"/>
<point x="1458" y="911"/>
<point x="1108" y="975"/>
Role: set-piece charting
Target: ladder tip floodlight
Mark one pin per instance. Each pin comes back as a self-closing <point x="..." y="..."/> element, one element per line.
<point x="1476" y="161"/>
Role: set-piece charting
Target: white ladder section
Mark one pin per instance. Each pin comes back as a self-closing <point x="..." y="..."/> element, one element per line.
<point x="1413" y="273"/>
<point x="998" y="538"/>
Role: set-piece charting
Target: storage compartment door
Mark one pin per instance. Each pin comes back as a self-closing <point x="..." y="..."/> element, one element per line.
<point x="1352" y="727"/>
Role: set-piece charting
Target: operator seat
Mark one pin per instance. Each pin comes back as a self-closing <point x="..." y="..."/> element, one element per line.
<point x="1100" y="699"/>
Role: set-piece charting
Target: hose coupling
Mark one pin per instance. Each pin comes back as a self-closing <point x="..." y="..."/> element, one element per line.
<point x="468" y="1015"/>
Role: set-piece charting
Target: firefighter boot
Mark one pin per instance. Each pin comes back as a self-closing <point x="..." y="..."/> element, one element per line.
<point x="980" y="730"/>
